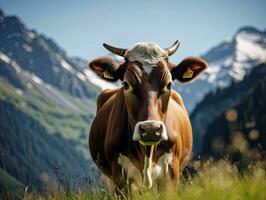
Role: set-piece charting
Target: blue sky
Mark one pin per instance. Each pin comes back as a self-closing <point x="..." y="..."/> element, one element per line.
<point x="81" y="27"/>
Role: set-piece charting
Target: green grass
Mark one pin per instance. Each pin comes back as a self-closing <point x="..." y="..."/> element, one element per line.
<point x="10" y="188"/>
<point x="215" y="180"/>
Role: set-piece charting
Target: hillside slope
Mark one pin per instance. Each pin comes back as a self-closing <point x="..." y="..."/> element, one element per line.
<point x="240" y="129"/>
<point x="215" y="103"/>
<point x="46" y="107"/>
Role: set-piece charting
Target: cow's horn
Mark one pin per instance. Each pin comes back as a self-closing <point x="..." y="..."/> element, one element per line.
<point x="171" y="50"/>
<point x="115" y="50"/>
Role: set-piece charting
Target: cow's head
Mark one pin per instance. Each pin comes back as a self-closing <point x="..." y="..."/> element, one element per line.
<point x="147" y="77"/>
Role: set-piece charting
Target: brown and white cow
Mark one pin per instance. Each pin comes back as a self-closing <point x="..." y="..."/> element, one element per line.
<point x="141" y="134"/>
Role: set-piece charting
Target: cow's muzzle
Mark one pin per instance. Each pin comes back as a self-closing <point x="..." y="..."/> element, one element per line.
<point x="150" y="132"/>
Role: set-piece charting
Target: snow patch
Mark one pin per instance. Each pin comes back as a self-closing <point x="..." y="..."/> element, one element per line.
<point x="16" y="66"/>
<point x="212" y="71"/>
<point x="252" y="37"/>
<point x="55" y="69"/>
<point x="5" y="58"/>
<point x="81" y="76"/>
<point x="27" y="47"/>
<point x="36" y="79"/>
<point x="8" y="60"/>
<point x="19" y="91"/>
<point x="222" y="84"/>
<point x="94" y="79"/>
<point x="228" y="61"/>
<point x="65" y="65"/>
<point x="31" y="35"/>
<point x="248" y="49"/>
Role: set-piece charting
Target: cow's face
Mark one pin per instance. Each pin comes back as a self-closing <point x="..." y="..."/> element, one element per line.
<point x="147" y="77"/>
<point x="147" y="93"/>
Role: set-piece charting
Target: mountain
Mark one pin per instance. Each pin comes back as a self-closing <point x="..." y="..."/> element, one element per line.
<point x="42" y="57"/>
<point x="239" y="131"/>
<point x="206" y="115"/>
<point x="47" y="104"/>
<point x="235" y="57"/>
<point x="229" y="61"/>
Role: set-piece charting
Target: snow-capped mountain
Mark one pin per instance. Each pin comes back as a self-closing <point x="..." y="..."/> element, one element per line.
<point x="42" y="57"/>
<point x="229" y="61"/>
<point x="233" y="58"/>
<point x="230" y="64"/>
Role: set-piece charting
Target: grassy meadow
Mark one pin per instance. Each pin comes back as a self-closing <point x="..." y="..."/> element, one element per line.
<point x="213" y="180"/>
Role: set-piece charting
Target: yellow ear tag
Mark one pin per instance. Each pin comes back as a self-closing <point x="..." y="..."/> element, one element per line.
<point x="188" y="73"/>
<point x="107" y="75"/>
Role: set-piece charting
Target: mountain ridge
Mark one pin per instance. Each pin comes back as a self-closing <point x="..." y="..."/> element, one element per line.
<point x="229" y="60"/>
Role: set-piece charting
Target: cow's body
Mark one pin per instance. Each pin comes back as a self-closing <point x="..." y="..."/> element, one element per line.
<point x="142" y="133"/>
<point x="110" y="135"/>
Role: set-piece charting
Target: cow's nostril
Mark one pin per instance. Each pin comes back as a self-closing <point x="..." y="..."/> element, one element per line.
<point x="160" y="129"/>
<point x="142" y="130"/>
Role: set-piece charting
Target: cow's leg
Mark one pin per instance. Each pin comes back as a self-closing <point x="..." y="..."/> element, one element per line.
<point x="131" y="174"/>
<point x="118" y="179"/>
<point x="129" y="189"/>
<point x="175" y="171"/>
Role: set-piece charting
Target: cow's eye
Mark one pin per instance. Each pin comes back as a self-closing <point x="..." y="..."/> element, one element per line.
<point x="125" y="85"/>
<point x="166" y="88"/>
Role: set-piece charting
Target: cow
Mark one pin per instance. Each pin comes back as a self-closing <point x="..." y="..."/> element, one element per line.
<point x="141" y="135"/>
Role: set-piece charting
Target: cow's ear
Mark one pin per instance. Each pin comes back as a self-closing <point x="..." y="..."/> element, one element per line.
<point x="188" y="69"/>
<point x="106" y="68"/>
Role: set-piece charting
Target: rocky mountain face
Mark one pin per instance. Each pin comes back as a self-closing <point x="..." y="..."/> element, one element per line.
<point x="239" y="130"/>
<point x="208" y="118"/>
<point x="46" y="106"/>
<point x="42" y="57"/>
<point x="229" y="61"/>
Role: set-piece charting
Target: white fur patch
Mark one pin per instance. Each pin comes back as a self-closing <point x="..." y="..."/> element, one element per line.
<point x="148" y="54"/>
<point x="159" y="171"/>
<point x="152" y="173"/>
